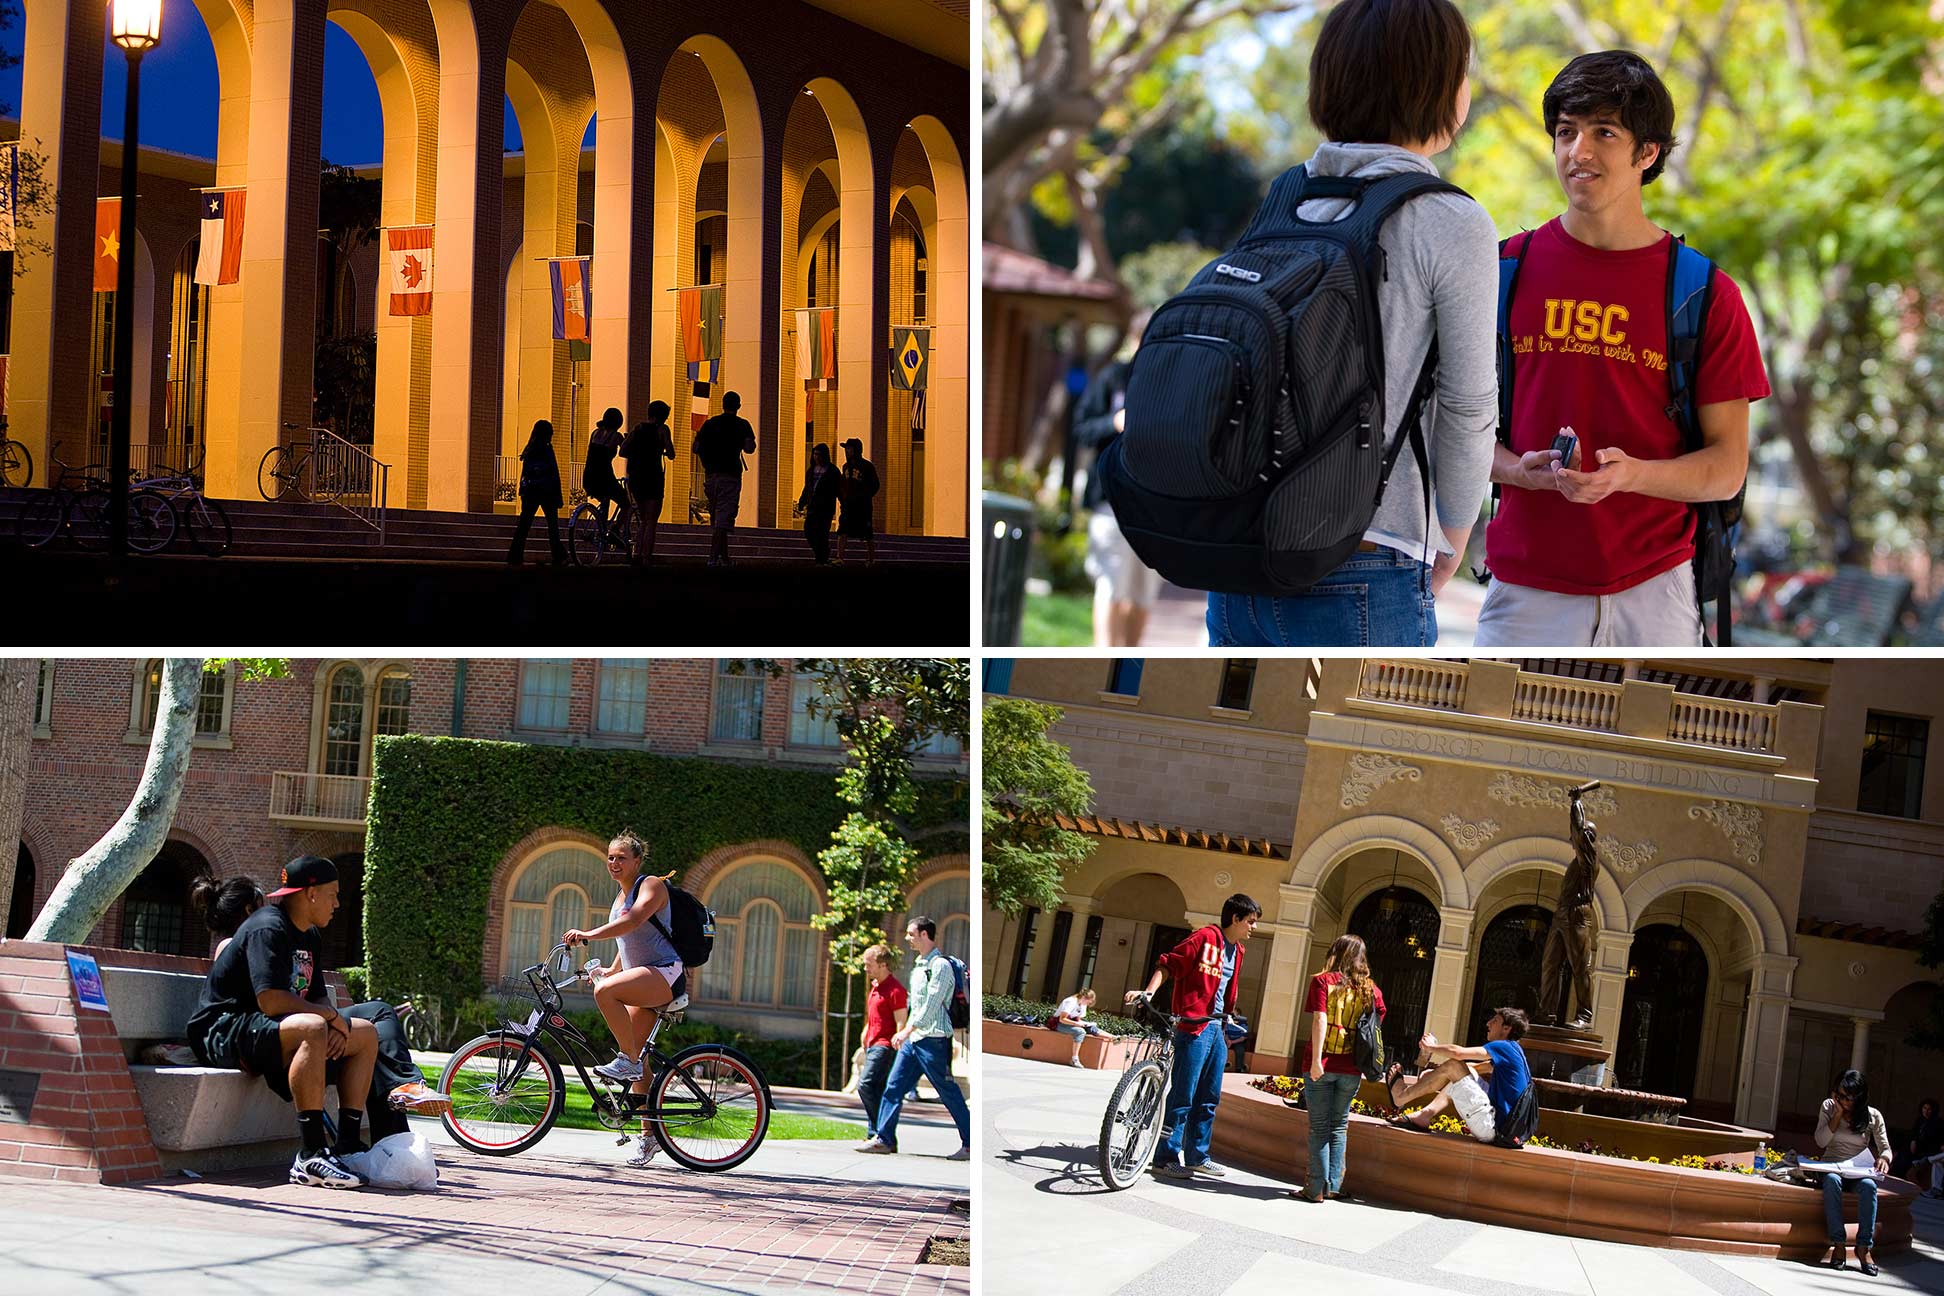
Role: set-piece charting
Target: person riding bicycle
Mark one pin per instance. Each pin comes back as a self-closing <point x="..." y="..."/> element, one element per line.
<point x="1207" y="968"/>
<point x="597" y="478"/>
<point x="645" y="977"/>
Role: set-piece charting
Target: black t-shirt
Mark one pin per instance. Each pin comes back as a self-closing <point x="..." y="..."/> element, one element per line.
<point x="642" y="450"/>
<point x="267" y="953"/>
<point x="721" y="442"/>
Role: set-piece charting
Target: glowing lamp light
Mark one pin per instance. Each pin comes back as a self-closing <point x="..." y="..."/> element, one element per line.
<point x="136" y="25"/>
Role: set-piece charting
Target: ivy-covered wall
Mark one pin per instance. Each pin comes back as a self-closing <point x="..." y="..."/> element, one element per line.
<point x="444" y="812"/>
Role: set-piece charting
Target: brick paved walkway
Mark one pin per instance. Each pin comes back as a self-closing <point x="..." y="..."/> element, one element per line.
<point x="804" y="1219"/>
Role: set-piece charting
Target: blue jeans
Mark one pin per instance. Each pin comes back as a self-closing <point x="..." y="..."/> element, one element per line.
<point x="1194" y="1092"/>
<point x="1866" y="1191"/>
<point x="1328" y="1103"/>
<point x="1376" y="599"/>
<point x="870" y="1083"/>
<point x="933" y="1059"/>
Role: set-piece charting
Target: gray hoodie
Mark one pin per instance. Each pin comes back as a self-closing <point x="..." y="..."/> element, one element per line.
<point x="1443" y="253"/>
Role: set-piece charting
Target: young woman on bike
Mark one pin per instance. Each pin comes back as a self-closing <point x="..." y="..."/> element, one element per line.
<point x="646" y="975"/>
<point x="597" y="478"/>
<point x="1336" y="1001"/>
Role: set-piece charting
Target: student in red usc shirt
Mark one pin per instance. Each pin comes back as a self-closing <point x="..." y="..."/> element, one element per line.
<point x="1206" y="967"/>
<point x="1597" y="552"/>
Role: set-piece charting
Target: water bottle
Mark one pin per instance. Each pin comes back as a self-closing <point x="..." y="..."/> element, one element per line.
<point x="1761" y="1156"/>
<point x="594" y="970"/>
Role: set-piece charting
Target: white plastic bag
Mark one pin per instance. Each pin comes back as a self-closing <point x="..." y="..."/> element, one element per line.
<point x="397" y="1161"/>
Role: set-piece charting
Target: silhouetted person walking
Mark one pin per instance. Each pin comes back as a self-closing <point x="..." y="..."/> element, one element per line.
<point x="721" y="443"/>
<point x="860" y="485"/>
<point x="643" y="451"/>
<point x="822" y="487"/>
<point x="539" y="493"/>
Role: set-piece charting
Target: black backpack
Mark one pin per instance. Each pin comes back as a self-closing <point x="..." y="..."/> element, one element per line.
<point x="1369" y="1048"/>
<point x="1522" y="1122"/>
<point x="694" y="923"/>
<point x="1253" y="455"/>
<point x="958" y="1009"/>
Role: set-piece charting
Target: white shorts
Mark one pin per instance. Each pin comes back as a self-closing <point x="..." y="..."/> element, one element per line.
<point x="1657" y="613"/>
<point x="670" y="972"/>
<point x="1474" y="1106"/>
<point x="1118" y="572"/>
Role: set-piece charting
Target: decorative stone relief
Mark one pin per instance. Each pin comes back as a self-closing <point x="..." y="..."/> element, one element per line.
<point x="1223" y="878"/>
<point x="1741" y="824"/>
<point x="1368" y="771"/>
<point x="1469" y="836"/>
<point x="1523" y="790"/>
<point x="1622" y="858"/>
<point x="1857" y="968"/>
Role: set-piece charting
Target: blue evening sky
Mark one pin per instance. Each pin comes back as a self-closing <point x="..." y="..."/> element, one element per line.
<point x="179" y="92"/>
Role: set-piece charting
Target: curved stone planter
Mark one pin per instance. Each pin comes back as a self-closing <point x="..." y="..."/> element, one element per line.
<point x="1551" y="1191"/>
<point x="1043" y="1045"/>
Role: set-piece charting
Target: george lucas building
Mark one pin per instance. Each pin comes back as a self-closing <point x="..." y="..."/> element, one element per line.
<point x="1770" y="834"/>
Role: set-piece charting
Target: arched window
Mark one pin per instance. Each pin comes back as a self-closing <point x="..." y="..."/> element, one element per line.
<point x="156" y="913"/>
<point x="356" y="708"/>
<point x="946" y="901"/>
<point x="212" y="704"/>
<point x="344" y="722"/>
<point x="1659" y="1049"/>
<point x="766" y="952"/>
<point x="564" y="886"/>
<point x="1509" y="962"/>
<point x="1400" y="933"/>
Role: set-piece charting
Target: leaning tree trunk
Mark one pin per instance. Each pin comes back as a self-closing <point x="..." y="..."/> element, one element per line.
<point x="92" y="882"/>
<point x="19" y="682"/>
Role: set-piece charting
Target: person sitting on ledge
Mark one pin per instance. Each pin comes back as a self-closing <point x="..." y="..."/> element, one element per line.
<point x="256" y="1016"/>
<point x="1070" y="1019"/>
<point x="1456" y="1078"/>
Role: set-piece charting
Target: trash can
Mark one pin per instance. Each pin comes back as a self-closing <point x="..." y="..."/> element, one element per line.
<point x="1008" y="535"/>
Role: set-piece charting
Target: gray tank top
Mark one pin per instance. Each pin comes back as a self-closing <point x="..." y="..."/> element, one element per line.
<point x="644" y="946"/>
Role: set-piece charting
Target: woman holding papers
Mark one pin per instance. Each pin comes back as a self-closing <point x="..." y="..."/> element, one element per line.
<point x="1849" y="1127"/>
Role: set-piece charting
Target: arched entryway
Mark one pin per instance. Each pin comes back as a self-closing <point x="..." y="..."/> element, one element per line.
<point x="1659" y="1048"/>
<point x="1399" y="927"/>
<point x="344" y="935"/>
<point x="1510" y="956"/>
<point x="156" y="914"/>
<point x="20" y="910"/>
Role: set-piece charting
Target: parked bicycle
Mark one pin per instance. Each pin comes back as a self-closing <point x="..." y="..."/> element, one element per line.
<point x="709" y="1105"/>
<point x="16" y="462"/>
<point x="296" y="470"/>
<point x="593" y="539"/>
<point x="1131" y="1129"/>
<point x="82" y="513"/>
<point x="201" y="519"/>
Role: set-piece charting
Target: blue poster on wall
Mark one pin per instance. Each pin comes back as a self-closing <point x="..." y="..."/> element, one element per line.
<point x="87" y="981"/>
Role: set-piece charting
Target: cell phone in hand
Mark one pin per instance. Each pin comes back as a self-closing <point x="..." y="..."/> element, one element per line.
<point x="1567" y="444"/>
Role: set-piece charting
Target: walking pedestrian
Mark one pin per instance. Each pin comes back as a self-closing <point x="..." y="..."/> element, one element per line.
<point x="924" y="1045"/>
<point x="722" y="442"/>
<point x="539" y="493"/>
<point x="886" y="1009"/>
<point x="822" y="487"/>
<point x="1337" y="999"/>
<point x="860" y="485"/>
<point x="643" y="450"/>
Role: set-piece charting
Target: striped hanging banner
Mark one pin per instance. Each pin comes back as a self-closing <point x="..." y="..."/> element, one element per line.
<point x="816" y="348"/>
<point x="573" y="298"/>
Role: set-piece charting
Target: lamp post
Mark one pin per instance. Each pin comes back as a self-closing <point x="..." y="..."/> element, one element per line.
<point x="136" y="26"/>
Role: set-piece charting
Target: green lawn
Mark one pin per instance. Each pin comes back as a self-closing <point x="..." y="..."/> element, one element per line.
<point x="1057" y="621"/>
<point x="579" y="1114"/>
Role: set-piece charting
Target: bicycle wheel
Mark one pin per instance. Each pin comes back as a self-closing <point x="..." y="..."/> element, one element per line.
<point x="711" y="1107"/>
<point x="16" y="463"/>
<point x="584" y="535"/>
<point x="506" y="1094"/>
<point x="418" y="1033"/>
<point x="42" y="519"/>
<point x="87" y="519"/>
<point x="151" y="521"/>
<point x="1132" y="1126"/>
<point x="207" y="524"/>
<point x="275" y="477"/>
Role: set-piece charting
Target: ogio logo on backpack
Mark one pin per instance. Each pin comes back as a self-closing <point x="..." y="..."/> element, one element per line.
<point x="1238" y="272"/>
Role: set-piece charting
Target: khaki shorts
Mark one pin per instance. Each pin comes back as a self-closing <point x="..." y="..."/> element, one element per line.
<point x="1657" y="613"/>
<point x="1117" y="570"/>
<point x="725" y="498"/>
<point x="1473" y="1105"/>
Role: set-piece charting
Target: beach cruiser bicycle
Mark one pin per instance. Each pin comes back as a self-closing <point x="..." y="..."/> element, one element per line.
<point x="1131" y="1129"/>
<point x="709" y="1105"/>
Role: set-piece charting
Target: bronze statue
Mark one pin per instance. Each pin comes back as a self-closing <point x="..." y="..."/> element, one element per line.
<point x="1569" y="941"/>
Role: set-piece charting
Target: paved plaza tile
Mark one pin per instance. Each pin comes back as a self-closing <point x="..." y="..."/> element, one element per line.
<point x="1048" y="1224"/>
<point x="567" y="1219"/>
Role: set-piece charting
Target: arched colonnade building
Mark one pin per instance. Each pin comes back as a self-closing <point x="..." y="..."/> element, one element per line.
<point x="795" y="154"/>
<point x="1769" y="840"/>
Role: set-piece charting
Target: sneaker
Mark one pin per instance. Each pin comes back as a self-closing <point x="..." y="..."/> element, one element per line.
<point x="322" y="1170"/>
<point x="963" y="1154"/>
<point x="1077" y="1062"/>
<point x="644" y="1153"/>
<point x="877" y="1146"/>
<point x="623" y="1068"/>
<point x="1173" y="1170"/>
<point x="1210" y="1169"/>
<point x="420" y="1100"/>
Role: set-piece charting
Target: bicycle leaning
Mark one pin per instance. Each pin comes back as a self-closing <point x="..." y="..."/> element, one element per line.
<point x="1131" y="1129"/>
<point x="592" y="538"/>
<point x="709" y="1105"/>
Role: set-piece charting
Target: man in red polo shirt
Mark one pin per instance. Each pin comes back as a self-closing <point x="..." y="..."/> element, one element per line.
<point x="1597" y="551"/>
<point x="884" y="1017"/>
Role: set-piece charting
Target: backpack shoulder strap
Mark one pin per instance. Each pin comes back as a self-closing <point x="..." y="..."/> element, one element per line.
<point x="653" y="919"/>
<point x="1511" y="257"/>
<point x="1690" y="287"/>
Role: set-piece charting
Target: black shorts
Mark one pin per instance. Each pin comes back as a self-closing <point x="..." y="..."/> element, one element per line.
<point x="648" y="492"/>
<point x="251" y="1042"/>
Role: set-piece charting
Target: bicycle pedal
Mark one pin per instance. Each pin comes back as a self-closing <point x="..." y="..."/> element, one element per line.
<point x="624" y="1140"/>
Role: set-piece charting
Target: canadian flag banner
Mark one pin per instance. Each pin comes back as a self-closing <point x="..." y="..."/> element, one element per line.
<point x="411" y="269"/>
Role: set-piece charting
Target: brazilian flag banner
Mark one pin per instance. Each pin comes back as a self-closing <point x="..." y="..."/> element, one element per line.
<point x="910" y="358"/>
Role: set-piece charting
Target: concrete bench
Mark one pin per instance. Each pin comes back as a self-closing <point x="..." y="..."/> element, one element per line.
<point x="200" y="1118"/>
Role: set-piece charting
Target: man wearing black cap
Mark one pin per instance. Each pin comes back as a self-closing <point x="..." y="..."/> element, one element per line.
<point x="258" y="1015"/>
<point x="860" y="487"/>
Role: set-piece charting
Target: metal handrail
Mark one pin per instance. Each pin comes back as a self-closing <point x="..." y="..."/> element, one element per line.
<point x="352" y="478"/>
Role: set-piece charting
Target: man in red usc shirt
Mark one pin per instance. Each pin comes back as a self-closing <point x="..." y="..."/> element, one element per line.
<point x="1597" y="551"/>
<point x="885" y="1010"/>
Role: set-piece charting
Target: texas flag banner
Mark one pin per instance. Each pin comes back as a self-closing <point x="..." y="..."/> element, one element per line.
<point x="573" y="300"/>
<point x="702" y="376"/>
<point x="411" y="269"/>
<point x="220" y="258"/>
<point x="910" y="348"/>
<point x="816" y="348"/>
<point x="107" y="247"/>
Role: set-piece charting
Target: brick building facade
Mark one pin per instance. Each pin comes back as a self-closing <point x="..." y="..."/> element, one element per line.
<point x="282" y="767"/>
<point x="1771" y="832"/>
<point x="796" y="153"/>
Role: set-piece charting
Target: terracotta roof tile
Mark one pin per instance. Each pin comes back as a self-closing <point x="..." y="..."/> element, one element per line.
<point x="1008" y="270"/>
